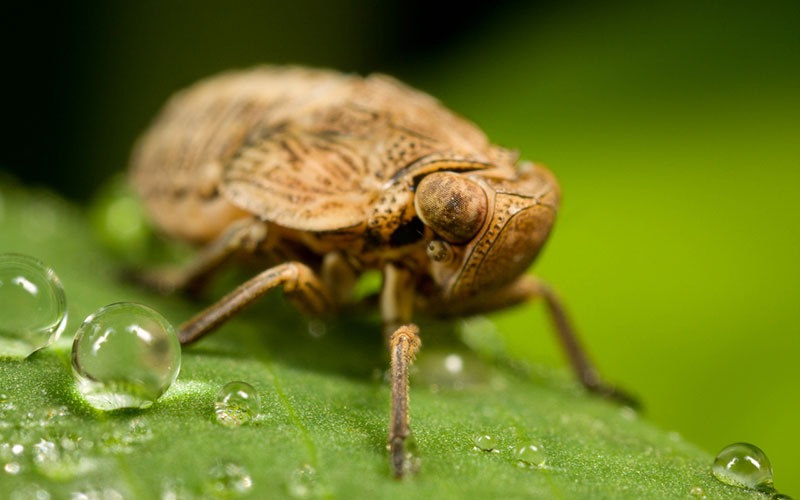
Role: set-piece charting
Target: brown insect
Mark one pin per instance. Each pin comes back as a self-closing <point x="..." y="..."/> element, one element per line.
<point x="322" y="176"/>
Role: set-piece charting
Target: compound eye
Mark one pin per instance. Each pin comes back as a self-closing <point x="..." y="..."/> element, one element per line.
<point x="454" y="207"/>
<point x="439" y="251"/>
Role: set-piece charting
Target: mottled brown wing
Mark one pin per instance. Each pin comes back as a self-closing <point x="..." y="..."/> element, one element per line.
<point x="301" y="180"/>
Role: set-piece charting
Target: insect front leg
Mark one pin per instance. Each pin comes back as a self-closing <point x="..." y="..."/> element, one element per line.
<point x="246" y="234"/>
<point x="397" y="297"/>
<point x="300" y="283"/>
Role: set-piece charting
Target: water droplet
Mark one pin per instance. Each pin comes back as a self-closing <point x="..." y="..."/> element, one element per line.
<point x="60" y="460"/>
<point x="12" y="468"/>
<point x="453" y="363"/>
<point x="125" y="355"/>
<point x="743" y="465"/>
<point x="125" y="441"/>
<point x="30" y="491"/>
<point x="485" y="442"/>
<point x="33" y="307"/>
<point x="530" y="455"/>
<point x="697" y="492"/>
<point x="228" y="480"/>
<point x="302" y="483"/>
<point x="237" y="403"/>
<point x="17" y="449"/>
<point x="317" y="328"/>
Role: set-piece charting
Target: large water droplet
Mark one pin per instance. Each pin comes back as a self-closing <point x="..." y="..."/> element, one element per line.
<point x="302" y="483"/>
<point x="33" y="308"/>
<point x="125" y="355"/>
<point x="237" y="403"/>
<point x="743" y="465"/>
<point x="485" y="442"/>
<point x="228" y="480"/>
<point x="530" y="455"/>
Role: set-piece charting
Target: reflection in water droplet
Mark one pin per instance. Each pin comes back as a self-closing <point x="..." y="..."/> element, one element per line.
<point x="12" y="468"/>
<point x="237" y="403"/>
<point x="530" y="455"/>
<point x="125" y="355"/>
<point x="485" y="442"/>
<point x="743" y="465"/>
<point x="33" y="307"/>
<point x="302" y="483"/>
<point x="228" y="480"/>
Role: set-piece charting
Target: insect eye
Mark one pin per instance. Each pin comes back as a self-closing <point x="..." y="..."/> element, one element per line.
<point x="439" y="251"/>
<point x="454" y="207"/>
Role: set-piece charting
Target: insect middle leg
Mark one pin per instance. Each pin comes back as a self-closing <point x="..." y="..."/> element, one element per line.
<point x="301" y="285"/>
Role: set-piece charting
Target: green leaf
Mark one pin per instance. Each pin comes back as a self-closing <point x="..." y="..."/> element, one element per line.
<point x="322" y="430"/>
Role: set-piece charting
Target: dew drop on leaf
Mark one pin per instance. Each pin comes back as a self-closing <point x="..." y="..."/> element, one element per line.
<point x="125" y="355"/>
<point x="484" y="442"/>
<point x="743" y="465"/>
<point x="697" y="492"/>
<point x="302" y="483"/>
<point x="228" y="480"/>
<point x="237" y="403"/>
<point x="530" y="455"/>
<point x="33" y="307"/>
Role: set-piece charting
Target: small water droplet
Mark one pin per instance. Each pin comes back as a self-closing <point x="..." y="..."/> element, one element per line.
<point x="485" y="442"/>
<point x="33" y="307"/>
<point x="30" y="491"/>
<point x="743" y="465"/>
<point x="17" y="449"/>
<point x="228" y="480"/>
<point x="317" y="328"/>
<point x="697" y="492"/>
<point x="302" y="483"/>
<point x="12" y="468"/>
<point x="530" y="455"/>
<point x="237" y="403"/>
<point x="125" y="355"/>
<point x="56" y="461"/>
<point x="453" y="363"/>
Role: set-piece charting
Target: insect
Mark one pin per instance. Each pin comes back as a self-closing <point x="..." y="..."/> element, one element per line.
<point x="321" y="176"/>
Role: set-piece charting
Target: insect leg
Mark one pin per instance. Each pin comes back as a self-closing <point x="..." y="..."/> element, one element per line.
<point x="527" y="288"/>
<point x="299" y="282"/>
<point x="403" y="346"/>
<point x="245" y="234"/>
<point x="581" y="364"/>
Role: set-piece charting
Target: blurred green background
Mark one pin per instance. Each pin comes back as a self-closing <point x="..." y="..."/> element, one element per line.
<point x="674" y="129"/>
